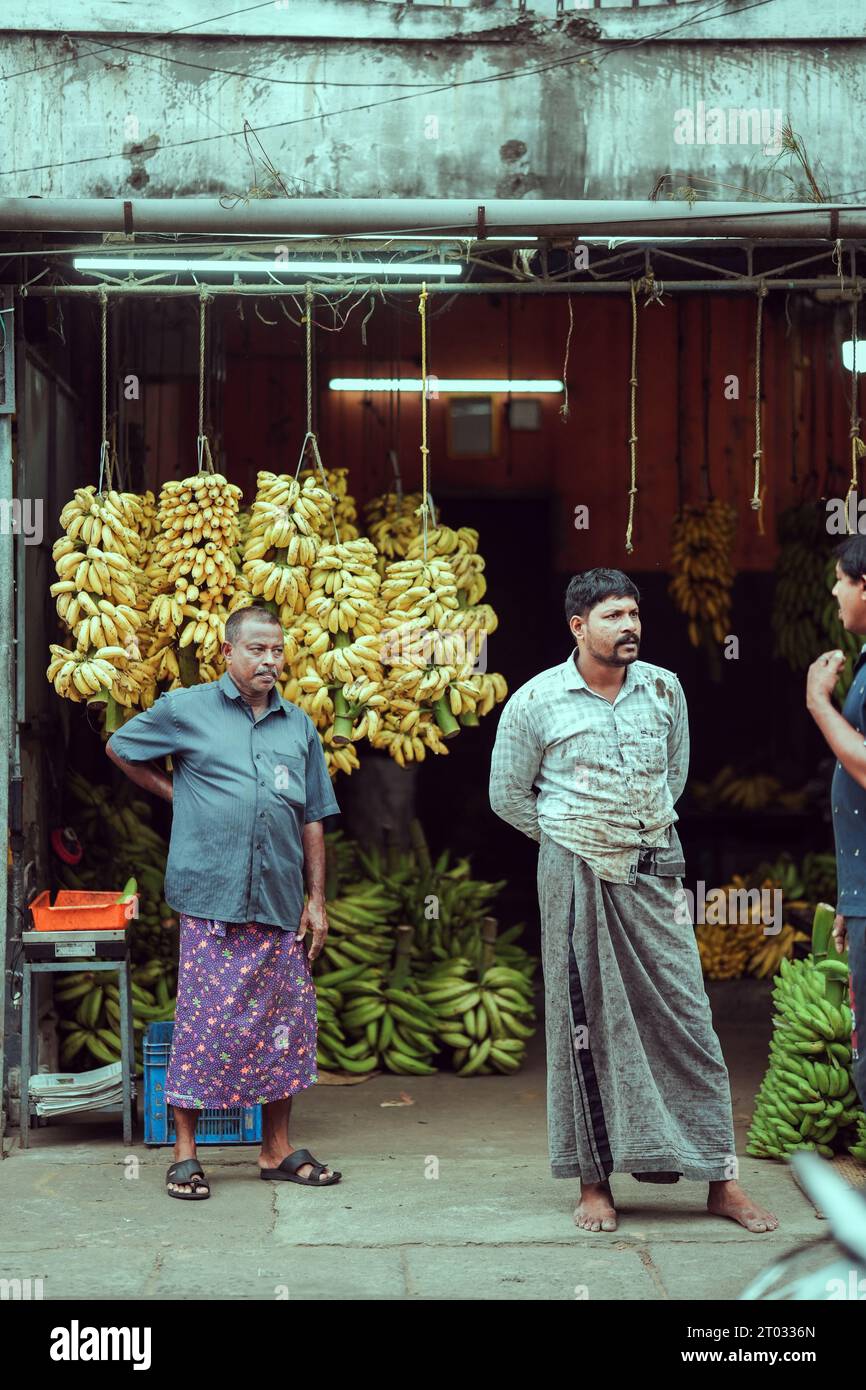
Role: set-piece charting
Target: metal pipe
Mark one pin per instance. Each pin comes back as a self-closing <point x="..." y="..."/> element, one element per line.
<point x="460" y="216"/>
<point x="8" y="727"/>
<point x="743" y="285"/>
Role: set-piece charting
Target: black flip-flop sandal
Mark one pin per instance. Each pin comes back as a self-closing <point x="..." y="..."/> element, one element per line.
<point x="288" y="1171"/>
<point x="185" y="1170"/>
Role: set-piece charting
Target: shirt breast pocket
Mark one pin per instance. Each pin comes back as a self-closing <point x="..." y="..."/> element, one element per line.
<point x="290" y="778"/>
<point x="653" y="749"/>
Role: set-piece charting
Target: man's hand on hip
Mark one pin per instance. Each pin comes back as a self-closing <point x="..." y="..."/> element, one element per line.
<point x="315" y="919"/>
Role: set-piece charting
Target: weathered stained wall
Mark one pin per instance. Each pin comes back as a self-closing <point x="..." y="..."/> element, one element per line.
<point x="530" y="106"/>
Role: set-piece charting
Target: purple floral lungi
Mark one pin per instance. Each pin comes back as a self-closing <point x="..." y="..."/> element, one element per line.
<point x="245" y="1022"/>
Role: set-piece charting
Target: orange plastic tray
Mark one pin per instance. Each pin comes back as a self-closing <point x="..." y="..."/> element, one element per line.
<point x="81" y="911"/>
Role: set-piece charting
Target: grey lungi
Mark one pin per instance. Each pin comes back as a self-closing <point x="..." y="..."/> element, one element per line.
<point x="636" y="1081"/>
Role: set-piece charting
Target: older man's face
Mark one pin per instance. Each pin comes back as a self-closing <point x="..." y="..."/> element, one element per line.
<point x="256" y="659"/>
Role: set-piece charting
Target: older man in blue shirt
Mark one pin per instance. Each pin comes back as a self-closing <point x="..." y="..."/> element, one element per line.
<point x="249" y="792"/>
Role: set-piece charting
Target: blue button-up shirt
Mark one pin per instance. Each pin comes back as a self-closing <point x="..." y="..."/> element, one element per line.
<point x="848" y="800"/>
<point x="244" y="788"/>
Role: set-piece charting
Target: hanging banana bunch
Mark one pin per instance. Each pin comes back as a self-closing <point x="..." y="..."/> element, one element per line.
<point x="342" y="634"/>
<point x="345" y="510"/>
<point x="703" y="538"/>
<point x="193" y="570"/>
<point x="97" y="592"/>
<point x="392" y="524"/>
<point x="800" y="596"/>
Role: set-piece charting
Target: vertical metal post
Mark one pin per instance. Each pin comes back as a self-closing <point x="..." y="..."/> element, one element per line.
<point x="8" y="730"/>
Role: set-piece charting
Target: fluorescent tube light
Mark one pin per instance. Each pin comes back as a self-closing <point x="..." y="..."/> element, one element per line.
<point x="220" y="267"/>
<point x="446" y="385"/>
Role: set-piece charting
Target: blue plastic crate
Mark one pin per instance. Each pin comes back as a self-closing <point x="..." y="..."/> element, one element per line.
<point x="236" y="1125"/>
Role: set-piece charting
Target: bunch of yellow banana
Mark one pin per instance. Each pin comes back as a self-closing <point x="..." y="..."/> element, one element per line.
<point x="192" y="570"/>
<point x="392" y="523"/>
<point x="344" y="588"/>
<point x="750" y="793"/>
<point x="285" y="508"/>
<point x="338" y="758"/>
<point x="413" y="589"/>
<point x="98" y="595"/>
<point x="345" y="510"/>
<point x="282" y="540"/>
<point x="461" y="549"/>
<point x="411" y="744"/>
<point x="76" y="676"/>
<point x="702" y="545"/>
<point x="773" y="950"/>
<point x="727" y="947"/>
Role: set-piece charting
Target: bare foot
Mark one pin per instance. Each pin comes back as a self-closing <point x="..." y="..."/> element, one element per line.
<point x="595" y="1211"/>
<point x="729" y="1199"/>
<point x="273" y="1159"/>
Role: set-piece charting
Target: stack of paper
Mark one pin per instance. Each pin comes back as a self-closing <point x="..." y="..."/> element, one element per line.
<point x="61" y="1092"/>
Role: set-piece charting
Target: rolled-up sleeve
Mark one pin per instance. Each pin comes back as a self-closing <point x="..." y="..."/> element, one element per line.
<point x="678" y="745"/>
<point x="151" y="734"/>
<point x="514" y="764"/>
<point x="320" y="801"/>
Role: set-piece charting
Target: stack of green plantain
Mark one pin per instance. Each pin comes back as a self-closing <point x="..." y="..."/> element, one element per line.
<point x="484" y="1014"/>
<point x="425" y="972"/>
<point x="93" y="999"/>
<point x="807" y="1097"/>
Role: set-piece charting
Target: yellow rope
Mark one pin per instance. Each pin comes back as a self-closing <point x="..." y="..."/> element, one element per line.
<point x="308" y="320"/>
<point x="104" y="452"/>
<point x="423" y="509"/>
<point x="858" y="448"/>
<point x="310" y="436"/>
<point x="756" y="502"/>
<point x="205" y="459"/>
<point x="632" y="441"/>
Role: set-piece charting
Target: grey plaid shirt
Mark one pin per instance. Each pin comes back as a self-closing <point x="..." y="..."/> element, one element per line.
<point x="606" y="774"/>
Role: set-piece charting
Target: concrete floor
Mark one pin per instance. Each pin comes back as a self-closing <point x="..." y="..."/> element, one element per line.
<point x="94" y="1222"/>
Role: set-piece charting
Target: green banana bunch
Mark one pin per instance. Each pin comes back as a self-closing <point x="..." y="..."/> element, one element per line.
<point x="807" y="1095"/>
<point x="800" y="593"/>
<point x="488" y="1021"/>
<point x="397" y="1025"/>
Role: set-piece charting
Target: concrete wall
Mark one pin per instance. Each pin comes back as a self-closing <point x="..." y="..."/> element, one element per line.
<point x="368" y="98"/>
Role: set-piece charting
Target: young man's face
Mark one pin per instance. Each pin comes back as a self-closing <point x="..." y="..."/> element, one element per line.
<point x="610" y="631"/>
<point x="850" y="594"/>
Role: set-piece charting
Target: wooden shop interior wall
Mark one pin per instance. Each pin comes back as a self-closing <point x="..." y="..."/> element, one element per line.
<point x="690" y="436"/>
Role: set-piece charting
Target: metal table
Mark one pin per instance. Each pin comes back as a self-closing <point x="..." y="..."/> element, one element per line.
<point x="59" y="952"/>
